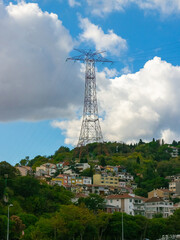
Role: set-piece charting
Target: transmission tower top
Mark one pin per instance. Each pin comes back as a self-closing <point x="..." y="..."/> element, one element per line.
<point x="90" y="128"/>
<point x="89" y="55"/>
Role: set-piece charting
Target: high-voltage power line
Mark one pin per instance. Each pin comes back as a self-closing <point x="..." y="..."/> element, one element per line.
<point x="90" y="129"/>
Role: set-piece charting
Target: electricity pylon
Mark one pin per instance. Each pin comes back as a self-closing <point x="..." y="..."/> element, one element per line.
<point x="90" y="128"/>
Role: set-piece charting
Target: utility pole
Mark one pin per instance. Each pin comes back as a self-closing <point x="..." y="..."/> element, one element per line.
<point x="90" y="128"/>
<point x="11" y="205"/>
<point x="122" y="226"/>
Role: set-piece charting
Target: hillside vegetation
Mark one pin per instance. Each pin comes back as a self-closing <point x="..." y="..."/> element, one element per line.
<point x="45" y="212"/>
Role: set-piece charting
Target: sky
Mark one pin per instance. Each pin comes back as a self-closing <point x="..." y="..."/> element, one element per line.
<point x="41" y="95"/>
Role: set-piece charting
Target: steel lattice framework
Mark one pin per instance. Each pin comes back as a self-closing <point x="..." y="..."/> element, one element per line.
<point x="90" y="129"/>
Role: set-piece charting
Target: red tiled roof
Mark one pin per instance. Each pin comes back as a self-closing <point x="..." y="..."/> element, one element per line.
<point x="118" y="196"/>
<point x="165" y="190"/>
<point x="81" y="195"/>
<point x="66" y="164"/>
<point x="154" y="199"/>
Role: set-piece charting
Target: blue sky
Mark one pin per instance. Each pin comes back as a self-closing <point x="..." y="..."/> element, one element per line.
<point x="41" y="95"/>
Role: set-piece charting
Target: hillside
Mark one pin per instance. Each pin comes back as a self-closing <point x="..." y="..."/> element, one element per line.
<point x="43" y="212"/>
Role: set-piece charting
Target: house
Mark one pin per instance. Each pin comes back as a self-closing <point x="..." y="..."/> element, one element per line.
<point x="161" y="193"/>
<point x="58" y="180"/>
<point x="175" y="152"/>
<point x="156" y="205"/>
<point x="25" y="170"/>
<point x="100" y="190"/>
<point x="66" y="179"/>
<point x="112" y="209"/>
<point x="174" y="187"/>
<point x="62" y="165"/>
<point x="82" y="166"/>
<point x="128" y="203"/>
<point x="77" y="196"/>
<point x="114" y="169"/>
<point x="125" y="176"/>
<point x="46" y="168"/>
<point x="87" y="180"/>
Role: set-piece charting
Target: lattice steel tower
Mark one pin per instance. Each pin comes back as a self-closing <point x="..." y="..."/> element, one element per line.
<point x="90" y="129"/>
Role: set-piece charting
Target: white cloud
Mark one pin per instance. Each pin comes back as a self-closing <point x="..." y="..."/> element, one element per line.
<point x="73" y="3"/>
<point x="101" y="7"/>
<point x="35" y="81"/>
<point x="164" y="6"/>
<point x="169" y="136"/>
<point x="70" y="129"/>
<point x="140" y="105"/>
<point x="103" y="41"/>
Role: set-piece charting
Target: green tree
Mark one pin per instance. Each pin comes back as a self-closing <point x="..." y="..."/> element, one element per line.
<point x="93" y="202"/>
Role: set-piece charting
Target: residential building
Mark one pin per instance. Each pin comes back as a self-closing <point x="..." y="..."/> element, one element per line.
<point x="174" y="187"/>
<point x="175" y="152"/>
<point x="58" y="180"/>
<point x="100" y="190"/>
<point x="105" y="180"/>
<point x="77" y="196"/>
<point x="87" y="180"/>
<point x="119" y="180"/>
<point x="62" y="165"/>
<point x="125" y="176"/>
<point x="128" y="203"/>
<point x="174" y="177"/>
<point x="25" y="170"/>
<point x="161" y="193"/>
<point x="46" y="168"/>
<point x="82" y="166"/>
<point x="114" y="169"/>
<point x="157" y="205"/>
<point x="66" y="179"/>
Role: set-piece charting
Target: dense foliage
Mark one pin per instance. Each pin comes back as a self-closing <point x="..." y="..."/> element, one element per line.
<point x="149" y="163"/>
<point x="45" y="212"/>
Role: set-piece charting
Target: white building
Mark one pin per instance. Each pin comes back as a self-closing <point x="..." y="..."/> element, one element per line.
<point x="82" y="166"/>
<point x="175" y="152"/>
<point x="157" y="205"/>
<point x="125" y="176"/>
<point x="87" y="180"/>
<point x="128" y="203"/>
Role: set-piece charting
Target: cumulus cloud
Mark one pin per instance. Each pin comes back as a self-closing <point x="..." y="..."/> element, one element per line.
<point x="35" y="81"/>
<point x="70" y="129"/>
<point x="140" y="105"/>
<point x="73" y="3"/>
<point x="104" y="41"/>
<point x="163" y="6"/>
<point x="101" y="7"/>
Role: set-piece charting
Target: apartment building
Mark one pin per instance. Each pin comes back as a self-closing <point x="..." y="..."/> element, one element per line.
<point x="174" y="187"/>
<point x="128" y="203"/>
<point x="105" y="180"/>
<point x="161" y="193"/>
<point x="157" y="205"/>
